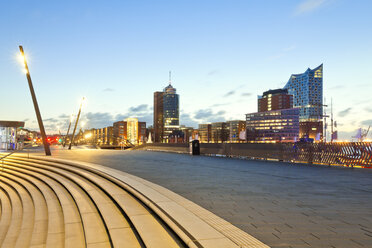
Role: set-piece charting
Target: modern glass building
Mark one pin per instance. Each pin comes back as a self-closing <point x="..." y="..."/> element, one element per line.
<point x="273" y="126"/>
<point x="166" y="113"/>
<point x="171" y="107"/>
<point x="307" y="91"/>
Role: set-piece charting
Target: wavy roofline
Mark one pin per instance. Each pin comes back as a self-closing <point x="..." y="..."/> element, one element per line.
<point x="296" y="75"/>
<point x="308" y="69"/>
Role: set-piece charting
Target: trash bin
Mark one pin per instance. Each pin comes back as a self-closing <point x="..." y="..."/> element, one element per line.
<point x="195" y="147"/>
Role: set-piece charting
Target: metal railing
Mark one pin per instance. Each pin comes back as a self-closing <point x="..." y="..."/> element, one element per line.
<point x="352" y="154"/>
<point x="15" y="151"/>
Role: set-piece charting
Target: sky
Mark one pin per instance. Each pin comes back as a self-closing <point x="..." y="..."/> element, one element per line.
<point x="222" y="54"/>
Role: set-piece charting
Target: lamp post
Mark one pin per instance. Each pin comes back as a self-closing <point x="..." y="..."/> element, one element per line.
<point x="36" y="106"/>
<point x="68" y="130"/>
<point x="76" y="123"/>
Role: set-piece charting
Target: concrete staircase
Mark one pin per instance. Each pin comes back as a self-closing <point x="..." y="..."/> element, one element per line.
<point x="48" y="202"/>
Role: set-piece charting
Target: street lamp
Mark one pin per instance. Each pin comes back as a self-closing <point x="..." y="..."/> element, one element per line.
<point x="36" y="106"/>
<point x="76" y="123"/>
<point x="68" y="130"/>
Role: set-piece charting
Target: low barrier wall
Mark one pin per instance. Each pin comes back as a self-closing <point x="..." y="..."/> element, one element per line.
<point x="357" y="154"/>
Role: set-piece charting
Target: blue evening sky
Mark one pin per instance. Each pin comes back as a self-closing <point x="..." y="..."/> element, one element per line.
<point x="222" y="54"/>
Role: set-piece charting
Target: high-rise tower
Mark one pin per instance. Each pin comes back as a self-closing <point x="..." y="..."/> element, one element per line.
<point x="166" y="112"/>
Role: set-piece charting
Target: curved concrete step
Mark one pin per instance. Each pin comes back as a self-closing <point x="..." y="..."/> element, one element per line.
<point x="107" y="208"/>
<point x="14" y="228"/>
<point x="149" y="227"/>
<point x="48" y="210"/>
<point x="94" y="227"/>
<point x="6" y="213"/>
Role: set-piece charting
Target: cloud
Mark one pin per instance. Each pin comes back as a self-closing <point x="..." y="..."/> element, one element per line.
<point x="218" y="105"/>
<point x="368" y="109"/>
<point x="139" y="108"/>
<point x="344" y="112"/>
<point x="247" y="94"/>
<point x="290" y="48"/>
<point x="309" y="6"/>
<point x="230" y="93"/>
<point x="282" y="53"/>
<point x="98" y="119"/>
<point x="108" y="90"/>
<point x="53" y="120"/>
<point x="366" y="122"/>
<point x="207" y="115"/>
<point x="213" y="72"/>
<point x="63" y="116"/>
<point x="187" y="120"/>
<point x="336" y="87"/>
<point x="203" y="113"/>
<point x="143" y="112"/>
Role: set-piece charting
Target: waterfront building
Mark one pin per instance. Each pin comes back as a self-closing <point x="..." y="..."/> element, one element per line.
<point x="158" y="116"/>
<point x="235" y="129"/>
<point x="136" y="131"/>
<point x="274" y="100"/>
<point x="187" y="133"/>
<point x="273" y="126"/>
<point x="129" y="131"/>
<point x="108" y="135"/>
<point x="142" y="132"/>
<point x="166" y="113"/>
<point x="205" y="133"/>
<point x="120" y="132"/>
<point x="307" y="91"/>
<point x="9" y="130"/>
<point x="132" y="130"/>
<point x="220" y="132"/>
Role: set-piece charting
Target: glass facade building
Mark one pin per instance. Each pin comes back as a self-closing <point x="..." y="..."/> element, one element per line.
<point x="307" y="91"/>
<point x="171" y="107"/>
<point x="166" y="113"/>
<point x="273" y="126"/>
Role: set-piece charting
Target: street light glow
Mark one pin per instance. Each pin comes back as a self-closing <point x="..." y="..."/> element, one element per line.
<point x="21" y="57"/>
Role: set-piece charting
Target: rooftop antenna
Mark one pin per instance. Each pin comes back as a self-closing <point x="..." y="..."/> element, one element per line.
<point x="170" y="77"/>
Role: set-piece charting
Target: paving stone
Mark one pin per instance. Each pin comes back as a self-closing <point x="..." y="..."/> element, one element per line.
<point x="308" y="199"/>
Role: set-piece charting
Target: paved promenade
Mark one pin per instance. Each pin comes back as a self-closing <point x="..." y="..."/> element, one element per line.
<point x="52" y="202"/>
<point x="283" y="205"/>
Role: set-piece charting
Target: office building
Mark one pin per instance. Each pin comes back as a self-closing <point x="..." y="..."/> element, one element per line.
<point x="236" y="128"/>
<point x="220" y="132"/>
<point x="166" y="113"/>
<point x="205" y="133"/>
<point x="129" y="132"/>
<point x="273" y="126"/>
<point x="274" y="100"/>
<point x="187" y="133"/>
<point x="158" y="117"/>
<point x="307" y="91"/>
<point x="136" y="131"/>
<point x="120" y="132"/>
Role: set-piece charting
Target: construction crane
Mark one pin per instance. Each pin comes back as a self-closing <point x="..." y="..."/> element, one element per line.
<point x="361" y="134"/>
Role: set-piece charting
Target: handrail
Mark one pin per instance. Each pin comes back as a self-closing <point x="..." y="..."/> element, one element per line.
<point x="7" y="155"/>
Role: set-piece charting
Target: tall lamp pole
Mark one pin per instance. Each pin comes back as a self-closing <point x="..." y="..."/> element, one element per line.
<point x="36" y="106"/>
<point x="68" y="130"/>
<point x="76" y="123"/>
